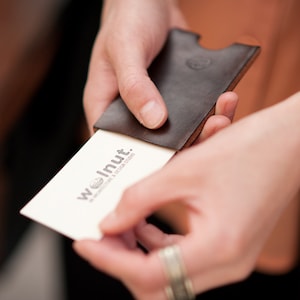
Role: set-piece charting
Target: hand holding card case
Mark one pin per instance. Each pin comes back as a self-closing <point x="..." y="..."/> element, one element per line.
<point x="190" y="79"/>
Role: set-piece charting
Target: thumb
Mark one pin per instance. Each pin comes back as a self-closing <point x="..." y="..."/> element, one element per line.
<point x="141" y="200"/>
<point x="140" y="93"/>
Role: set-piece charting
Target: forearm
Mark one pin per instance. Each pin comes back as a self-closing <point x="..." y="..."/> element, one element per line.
<point x="284" y="134"/>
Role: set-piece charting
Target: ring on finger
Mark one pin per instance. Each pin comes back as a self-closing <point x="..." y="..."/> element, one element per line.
<point x="180" y="286"/>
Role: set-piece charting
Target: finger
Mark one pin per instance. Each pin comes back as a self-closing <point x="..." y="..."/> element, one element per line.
<point x="129" y="239"/>
<point x="226" y="105"/>
<point x="213" y="124"/>
<point x="224" y="113"/>
<point x="151" y="237"/>
<point x="137" y="203"/>
<point x="137" y="89"/>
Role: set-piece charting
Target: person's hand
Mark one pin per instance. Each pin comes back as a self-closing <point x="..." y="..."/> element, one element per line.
<point x="132" y="33"/>
<point x="232" y="187"/>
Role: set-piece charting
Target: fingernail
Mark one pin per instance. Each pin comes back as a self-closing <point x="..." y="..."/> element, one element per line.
<point x="151" y="114"/>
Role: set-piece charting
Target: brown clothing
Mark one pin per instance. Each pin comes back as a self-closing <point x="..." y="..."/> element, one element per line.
<point x="275" y="26"/>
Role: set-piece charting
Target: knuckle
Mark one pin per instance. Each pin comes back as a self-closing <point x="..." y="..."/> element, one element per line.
<point x="129" y="85"/>
<point x="129" y="198"/>
<point x="232" y="245"/>
<point x="235" y="254"/>
<point x="133" y="85"/>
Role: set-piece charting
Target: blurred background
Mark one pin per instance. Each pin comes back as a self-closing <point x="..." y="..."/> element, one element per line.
<point x="44" y="54"/>
<point x="45" y="47"/>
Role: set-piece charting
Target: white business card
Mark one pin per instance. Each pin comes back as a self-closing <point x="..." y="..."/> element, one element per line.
<point x="90" y="185"/>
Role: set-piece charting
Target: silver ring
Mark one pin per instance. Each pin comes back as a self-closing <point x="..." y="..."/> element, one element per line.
<point x="180" y="287"/>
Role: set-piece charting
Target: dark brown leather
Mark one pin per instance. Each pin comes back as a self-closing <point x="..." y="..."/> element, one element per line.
<point x="190" y="79"/>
